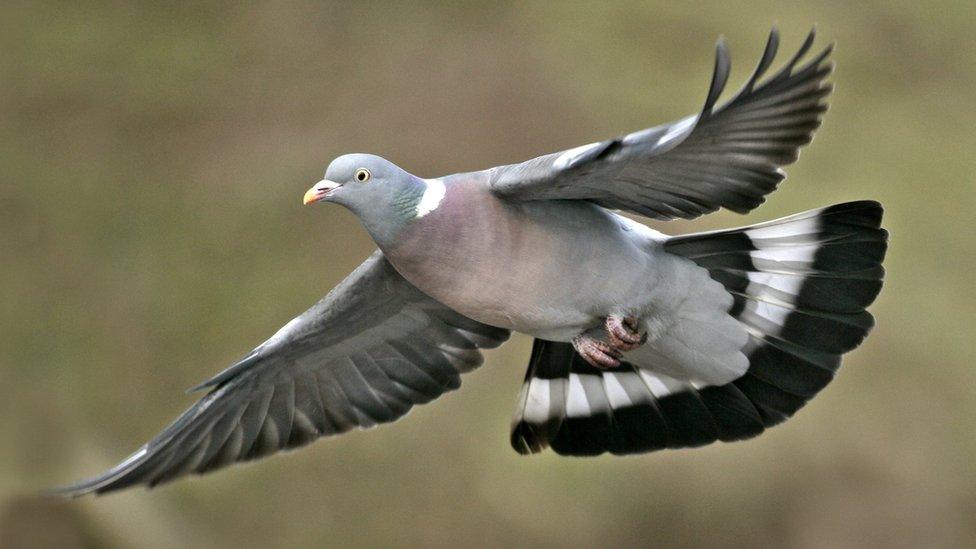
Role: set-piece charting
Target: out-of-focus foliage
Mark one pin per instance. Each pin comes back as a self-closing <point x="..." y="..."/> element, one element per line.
<point x="152" y="161"/>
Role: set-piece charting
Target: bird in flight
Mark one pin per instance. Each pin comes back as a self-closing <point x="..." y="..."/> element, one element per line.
<point x="643" y="341"/>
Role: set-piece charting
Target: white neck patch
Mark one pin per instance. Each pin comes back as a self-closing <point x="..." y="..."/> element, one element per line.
<point x="433" y="195"/>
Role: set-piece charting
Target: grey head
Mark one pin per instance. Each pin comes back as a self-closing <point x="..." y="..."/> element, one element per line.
<point x="382" y="195"/>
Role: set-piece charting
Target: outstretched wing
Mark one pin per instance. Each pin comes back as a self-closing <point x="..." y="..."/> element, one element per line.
<point x="728" y="156"/>
<point x="363" y="355"/>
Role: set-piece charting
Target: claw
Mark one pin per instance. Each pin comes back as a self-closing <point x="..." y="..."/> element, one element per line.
<point x="624" y="332"/>
<point x="597" y="353"/>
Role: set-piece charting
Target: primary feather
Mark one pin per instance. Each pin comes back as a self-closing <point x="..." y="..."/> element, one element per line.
<point x="727" y="156"/>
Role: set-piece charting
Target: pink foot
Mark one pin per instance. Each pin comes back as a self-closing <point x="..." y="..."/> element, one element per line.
<point x="597" y="353"/>
<point x="624" y="332"/>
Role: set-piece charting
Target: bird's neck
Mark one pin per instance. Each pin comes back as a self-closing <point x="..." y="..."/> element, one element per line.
<point x="407" y="207"/>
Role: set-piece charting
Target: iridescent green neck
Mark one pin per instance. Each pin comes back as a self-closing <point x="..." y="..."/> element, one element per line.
<point x="404" y="204"/>
<point x="385" y="219"/>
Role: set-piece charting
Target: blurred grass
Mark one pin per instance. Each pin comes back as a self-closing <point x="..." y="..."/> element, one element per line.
<point x="153" y="157"/>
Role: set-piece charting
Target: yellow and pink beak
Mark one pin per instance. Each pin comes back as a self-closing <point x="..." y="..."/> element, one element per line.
<point x="319" y="191"/>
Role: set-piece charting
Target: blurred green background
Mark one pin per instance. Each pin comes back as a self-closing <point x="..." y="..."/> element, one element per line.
<point x="153" y="158"/>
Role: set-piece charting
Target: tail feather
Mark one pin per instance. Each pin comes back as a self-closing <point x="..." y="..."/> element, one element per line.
<point x="800" y="286"/>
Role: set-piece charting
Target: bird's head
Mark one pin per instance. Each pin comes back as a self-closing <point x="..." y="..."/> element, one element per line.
<point x="382" y="195"/>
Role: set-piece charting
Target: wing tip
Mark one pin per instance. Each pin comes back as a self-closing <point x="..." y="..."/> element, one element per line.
<point x="107" y="481"/>
<point x="720" y="75"/>
<point x="723" y="64"/>
<point x="71" y="491"/>
<point x="94" y="486"/>
<point x="765" y="61"/>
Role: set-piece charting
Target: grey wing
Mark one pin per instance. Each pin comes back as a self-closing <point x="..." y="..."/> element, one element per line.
<point x="363" y="355"/>
<point x="727" y="156"/>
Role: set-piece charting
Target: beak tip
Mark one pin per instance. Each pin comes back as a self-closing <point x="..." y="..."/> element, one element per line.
<point x="319" y="191"/>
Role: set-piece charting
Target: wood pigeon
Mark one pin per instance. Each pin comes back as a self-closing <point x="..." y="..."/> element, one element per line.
<point x="643" y="341"/>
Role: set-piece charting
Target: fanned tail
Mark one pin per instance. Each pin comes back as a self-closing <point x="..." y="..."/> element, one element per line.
<point x="800" y="285"/>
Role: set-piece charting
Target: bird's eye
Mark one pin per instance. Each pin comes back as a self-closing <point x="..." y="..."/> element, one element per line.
<point x="363" y="175"/>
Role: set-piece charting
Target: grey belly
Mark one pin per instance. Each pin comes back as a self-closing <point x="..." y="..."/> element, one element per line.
<point x="548" y="269"/>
